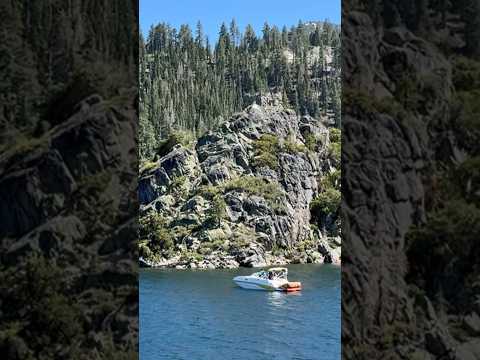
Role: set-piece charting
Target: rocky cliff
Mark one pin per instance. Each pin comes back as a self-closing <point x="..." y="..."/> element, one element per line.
<point x="241" y="195"/>
<point x="67" y="238"/>
<point x="407" y="276"/>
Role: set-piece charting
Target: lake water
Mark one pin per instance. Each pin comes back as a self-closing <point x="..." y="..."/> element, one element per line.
<point x="197" y="315"/>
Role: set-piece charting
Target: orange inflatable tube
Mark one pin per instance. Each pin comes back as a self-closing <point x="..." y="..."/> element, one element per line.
<point x="292" y="286"/>
<point x="293" y="289"/>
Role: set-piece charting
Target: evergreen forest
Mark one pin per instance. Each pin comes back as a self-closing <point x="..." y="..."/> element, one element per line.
<point x="189" y="83"/>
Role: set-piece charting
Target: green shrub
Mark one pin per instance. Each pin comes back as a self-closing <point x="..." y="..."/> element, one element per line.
<point x="189" y="256"/>
<point x="407" y="91"/>
<point x="254" y="186"/>
<point x="304" y="245"/>
<point x="143" y="250"/>
<point x="277" y="250"/>
<point x="165" y="146"/>
<point x="331" y="180"/>
<point x="468" y="101"/>
<point x="154" y="228"/>
<point x="205" y="249"/>
<point x="179" y="232"/>
<point x="94" y="184"/>
<point x="178" y="184"/>
<point x="209" y="246"/>
<point x="293" y="148"/>
<point x="217" y="210"/>
<point x="326" y="203"/>
<point x="163" y="238"/>
<point x="251" y="185"/>
<point x="147" y="165"/>
<point x="335" y="147"/>
<point x="360" y="100"/>
<point x="266" y="150"/>
<point x="242" y="237"/>
<point x="24" y="143"/>
<point x="467" y="173"/>
<point x="335" y="151"/>
<point x="40" y="288"/>
<point x="209" y="192"/>
<point x="466" y="74"/>
<point x="185" y="138"/>
<point x="391" y="107"/>
<point x="370" y="104"/>
<point x="335" y="135"/>
<point x="311" y="142"/>
<point x="452" y="229"/>
<point x="149" y="223"/>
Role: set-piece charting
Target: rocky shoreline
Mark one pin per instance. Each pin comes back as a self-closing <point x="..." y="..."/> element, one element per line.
<point x="324" y="253"/>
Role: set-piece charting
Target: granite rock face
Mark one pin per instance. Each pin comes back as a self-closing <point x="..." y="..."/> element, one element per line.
<point x="398" y="126"/>
<point x="264" y="206"/>
<point x="62" y="214"/>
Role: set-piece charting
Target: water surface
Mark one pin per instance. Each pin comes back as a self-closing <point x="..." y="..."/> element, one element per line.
<point x="196" y="315"/>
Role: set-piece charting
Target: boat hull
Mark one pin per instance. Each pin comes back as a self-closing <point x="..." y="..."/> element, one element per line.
<point x="275" y="279"/>
<point x="250" y="283"/>
<point x="252" y="286"/>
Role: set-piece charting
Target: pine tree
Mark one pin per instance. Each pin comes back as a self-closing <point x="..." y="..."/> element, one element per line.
<point x="266" y="34"/>
<point x="316" y="37"/>
<point x="234" y="33"/>
<point x="250" y="40"/>
<point x="284" y="37"/>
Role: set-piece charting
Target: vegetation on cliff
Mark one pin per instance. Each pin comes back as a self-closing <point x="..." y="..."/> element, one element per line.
<point x="243" y="195"/>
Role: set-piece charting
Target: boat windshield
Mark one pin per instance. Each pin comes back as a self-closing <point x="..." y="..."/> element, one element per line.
<point x="261" y="274"/>
<point x="271" y="274"/>
<point x="277" y="274"/>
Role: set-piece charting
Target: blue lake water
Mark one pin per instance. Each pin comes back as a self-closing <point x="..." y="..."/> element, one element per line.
<point x="197" y="315"/>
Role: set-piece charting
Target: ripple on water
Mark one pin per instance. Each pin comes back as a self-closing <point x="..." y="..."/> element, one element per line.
<point x="204" y="315"/>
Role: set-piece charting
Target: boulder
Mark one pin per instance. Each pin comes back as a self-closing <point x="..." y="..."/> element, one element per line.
<point x="472" y="323"/>
<point x="255" y="260"/>
<point x="54" y="238"/>
<point x="155" y="182"/>
<point x="437" y="342"/>
<point x="469" y="350"/>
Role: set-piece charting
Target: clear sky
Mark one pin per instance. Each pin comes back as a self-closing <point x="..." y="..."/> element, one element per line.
<point x="255" y="12"/>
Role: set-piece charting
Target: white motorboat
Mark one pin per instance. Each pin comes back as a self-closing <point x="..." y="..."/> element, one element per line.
<point x="274" y="279"/>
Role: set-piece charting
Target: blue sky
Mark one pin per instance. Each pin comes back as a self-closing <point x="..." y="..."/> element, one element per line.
<point x="255" y="12"/>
